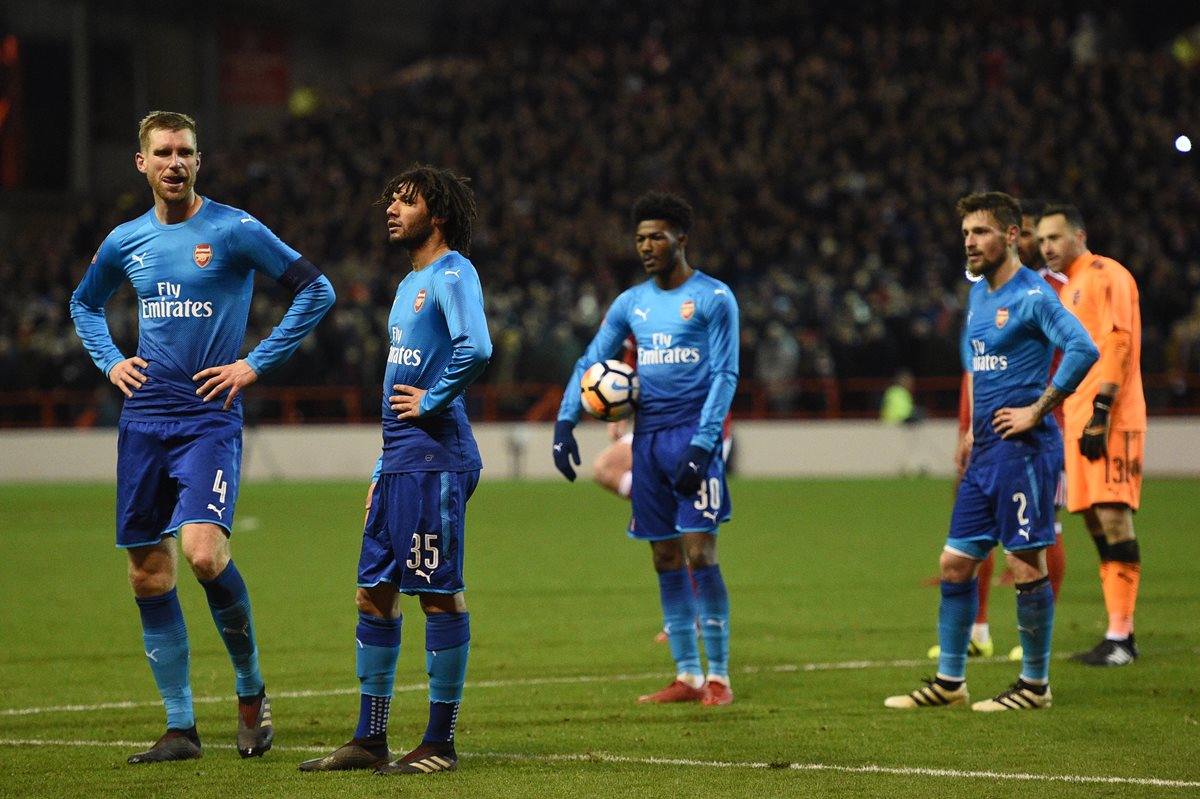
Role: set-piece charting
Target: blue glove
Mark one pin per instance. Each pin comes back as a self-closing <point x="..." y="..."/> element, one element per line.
<point x="693" y="468"/>
<point x="565" y="448"/>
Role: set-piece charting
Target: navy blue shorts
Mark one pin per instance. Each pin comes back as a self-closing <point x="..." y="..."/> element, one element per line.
<point x="658" y="511"/>
<point x="1010" y="502"/>
<point x="176" y="472"/>
<point x="413" y="537"/>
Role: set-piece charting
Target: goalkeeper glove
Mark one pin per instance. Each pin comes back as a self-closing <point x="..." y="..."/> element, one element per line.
<point x="1093" y="445"/>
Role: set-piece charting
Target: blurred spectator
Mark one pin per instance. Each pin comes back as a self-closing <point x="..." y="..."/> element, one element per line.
<point x="898" y="406"/>
<point x="827" y="149"/>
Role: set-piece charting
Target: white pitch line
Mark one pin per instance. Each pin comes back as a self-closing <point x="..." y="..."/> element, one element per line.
<point x="604" y="757"/>
<point x="786" y="668"/>
<point x="580" y="679"/>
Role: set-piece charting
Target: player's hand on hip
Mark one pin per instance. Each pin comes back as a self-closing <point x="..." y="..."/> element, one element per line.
<point x="565" y="448"/>
<point x="127" y="375"/>
<point x="1093" y="444"/>
<point x="232" y="378"/>
<point x="1009" y="422"/>
<point x="406" y="402"/>
<point x="692" y="469"/>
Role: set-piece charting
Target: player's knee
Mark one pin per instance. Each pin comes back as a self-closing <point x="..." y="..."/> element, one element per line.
<point x="701" y="556"/>
<point x="381" y="601"/>
<point x="955" y="568"/>
<point x="443" y="603"/>
<point x="668" y="558"/>
<point x="146" y="582"/>
<point x="207" y="565"/>
<point x="1117" y="525"/>
<point x="1026" y="569"/>
<point x="604" y="473"/>
<point x="152" y="569"/>
<point x="365" y="603"/>
<point x="206" y="549"/>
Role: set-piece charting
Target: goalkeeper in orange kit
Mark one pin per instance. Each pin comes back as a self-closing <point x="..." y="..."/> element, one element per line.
<point x="1105" y="421"/>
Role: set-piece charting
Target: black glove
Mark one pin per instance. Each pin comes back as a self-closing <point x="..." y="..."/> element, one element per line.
<point x="693" y="468"/>
<point x="565" y="448"/>
<point x="1093" y="444"/>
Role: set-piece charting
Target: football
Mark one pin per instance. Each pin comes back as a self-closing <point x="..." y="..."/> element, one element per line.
<point x="609" y="390"/>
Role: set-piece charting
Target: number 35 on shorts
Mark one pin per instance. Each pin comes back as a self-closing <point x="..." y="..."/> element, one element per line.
<point x="425" y="553"/>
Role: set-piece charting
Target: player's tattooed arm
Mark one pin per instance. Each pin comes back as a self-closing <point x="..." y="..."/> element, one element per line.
<point x="1009" y="422"/>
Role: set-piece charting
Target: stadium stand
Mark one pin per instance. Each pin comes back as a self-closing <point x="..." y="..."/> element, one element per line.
<point x="825" y="151"/>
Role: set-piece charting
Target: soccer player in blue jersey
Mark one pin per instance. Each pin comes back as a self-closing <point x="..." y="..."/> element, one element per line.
<point x="686" y="326"/>
<point x="413" y="538"/>
<point x="191" y="261"/>
<point x="1006" y="495"/>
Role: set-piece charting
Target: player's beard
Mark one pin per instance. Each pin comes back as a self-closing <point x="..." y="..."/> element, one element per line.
<point x="986" y="267"/>
<point x="415" y="236"/>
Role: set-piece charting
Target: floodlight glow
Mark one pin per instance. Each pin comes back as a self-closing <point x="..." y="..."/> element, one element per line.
<point x="1183" y="144"/>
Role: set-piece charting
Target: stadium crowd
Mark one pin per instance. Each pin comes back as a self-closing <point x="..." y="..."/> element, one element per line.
<point x="823" y="154"/>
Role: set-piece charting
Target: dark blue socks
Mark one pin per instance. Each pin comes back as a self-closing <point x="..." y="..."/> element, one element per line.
<point x="229" y="604"/>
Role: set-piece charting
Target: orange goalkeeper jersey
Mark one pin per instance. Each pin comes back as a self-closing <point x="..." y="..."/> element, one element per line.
<point x="1104" y="297"/>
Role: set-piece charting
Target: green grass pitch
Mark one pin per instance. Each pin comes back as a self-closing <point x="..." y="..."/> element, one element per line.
<point x="830" y="615"/>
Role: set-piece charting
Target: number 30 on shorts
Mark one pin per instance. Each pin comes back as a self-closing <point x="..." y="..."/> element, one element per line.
<point x="709" y="495"/>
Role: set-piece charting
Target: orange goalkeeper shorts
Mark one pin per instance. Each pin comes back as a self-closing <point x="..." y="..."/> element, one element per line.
<point x="1116" y="478"/>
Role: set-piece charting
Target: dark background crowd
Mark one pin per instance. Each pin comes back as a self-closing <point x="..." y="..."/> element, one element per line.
<point x="823" y="153"/>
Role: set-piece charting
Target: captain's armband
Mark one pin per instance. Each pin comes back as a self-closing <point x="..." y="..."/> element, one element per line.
<point x="299" y="275"/>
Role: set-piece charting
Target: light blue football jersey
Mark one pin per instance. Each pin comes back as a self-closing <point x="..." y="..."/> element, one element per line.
<point x="1008" y="339"/>
<point x="194" y="281"/>
<point x="687" y="355"/>
<point x="438" y="340"/>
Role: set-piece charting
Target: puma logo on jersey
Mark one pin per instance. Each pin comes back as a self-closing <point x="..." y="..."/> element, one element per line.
<point x="219" y="511"/>
<point x="141" y="259"/>
<point x="720" y="291"/>
<point x="246" y="219"/>
<point x="1033" y="291"/>
<point x="708" y="514"/>
<point x="644" y="314"/>
<point x="454" y="272"/>
<point x="428" y="577"/>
